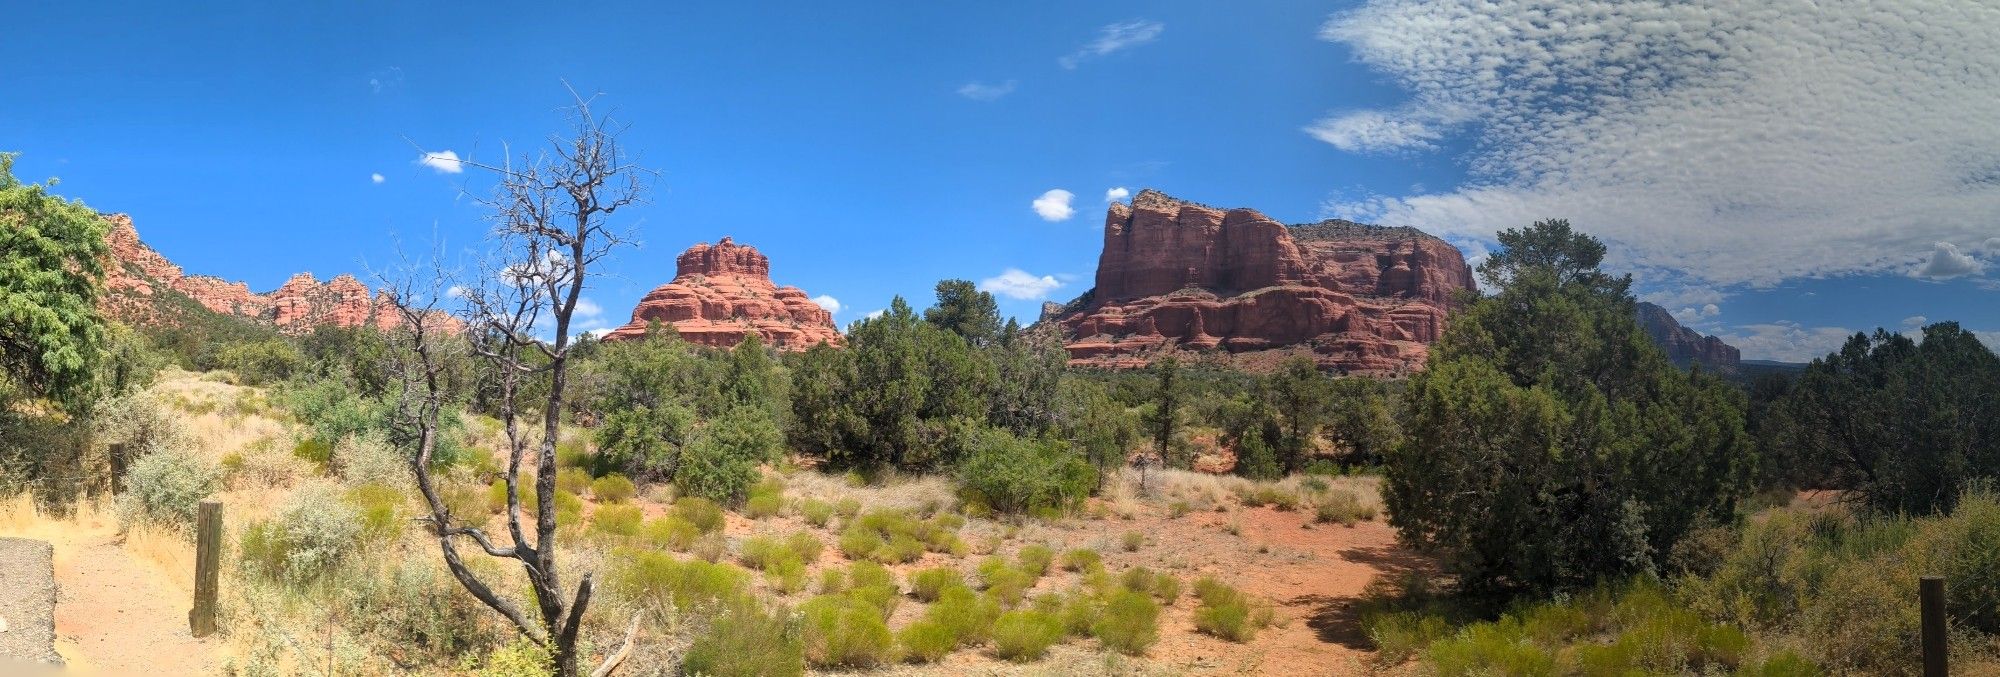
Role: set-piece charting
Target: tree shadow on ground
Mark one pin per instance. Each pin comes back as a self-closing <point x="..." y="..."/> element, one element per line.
<point x="1337" y="619"/>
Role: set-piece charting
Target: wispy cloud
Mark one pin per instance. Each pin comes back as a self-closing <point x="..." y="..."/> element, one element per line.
<point x="444" y="161"/>
<point x="1015" y="283"/>
<point x="1723" y="143"/>
<point x="1054" y="205"/>
<point x="980" y="91"/>
<point x="1112" y="38"/>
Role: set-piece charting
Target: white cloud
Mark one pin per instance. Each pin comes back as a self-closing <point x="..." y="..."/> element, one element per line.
<point x="1373" y="131"/>
<point x="1740" y="143"/>
<point x="377" y="178"/>
<point x="831" y="304"/>
<point x="1116" y="194"/>
<point x="601" y="331"/>
<point x="1113" y="38"/>
<point x="444" y="161"/>
<point x="1693" y="314"/>
<point x="1786" y="341"/>
<point x="586" y="308"/>
<point x="1015" y="283"/>
<point x="980" y="91"/>
<point x="1991" y="247"/>
<point x="455" y="291"/>
<point x="1914" y="321"/>
<point x="1947" y="262"/>
<point x="1054" y="205"/>
<point x="872" y="314"/>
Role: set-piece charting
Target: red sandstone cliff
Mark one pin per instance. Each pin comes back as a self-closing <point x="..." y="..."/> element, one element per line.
<point x="1176" y="275"/>
<point x="1683" y="345"/>
<point x="723" y="292"/>
<point x="137" y="279"/>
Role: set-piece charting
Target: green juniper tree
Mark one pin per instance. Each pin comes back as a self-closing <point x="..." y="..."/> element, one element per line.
<point x="51" y="274"/>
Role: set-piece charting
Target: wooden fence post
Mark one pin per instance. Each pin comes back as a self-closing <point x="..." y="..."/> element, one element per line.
<point x="207" y="558"/>
<point x="1930" y="591"/>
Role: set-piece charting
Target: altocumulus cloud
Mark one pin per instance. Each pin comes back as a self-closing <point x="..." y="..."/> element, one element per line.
<point x="1015" y="283"/>
<point x="1712" y="142"/>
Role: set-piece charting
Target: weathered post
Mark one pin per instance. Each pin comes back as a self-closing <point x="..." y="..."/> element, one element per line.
<point x="1931" y="591"/>
<point x="207" y="558"/>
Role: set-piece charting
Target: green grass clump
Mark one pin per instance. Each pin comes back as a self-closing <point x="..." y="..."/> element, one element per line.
<point x="671" y="532"/>
<point x="847" y="507"/>
<point x="1082" y="560"/>
<point x="704" y="514"/>
<point x="842" y="632"/>
<point x="758" y="551"/>
<point x="805" y="545"/>
<point x="928" y="584"/>
<point x="746" y="642"/>
<point x="874" y="584"/>
<point x="858" y="543"/>
<point x="1133" y="541"/>
<point x="767" y="499"/>
<point x="895" y="537"/>
<point x="572" y="480"/>
<point x="1025" y="635"/>
<point x="616" y="521"/>
<point x="380" y="509"/>
<point x="612" y="488"/>
<point x="1268" y="494"/>
<point x="1035" y="559"/>
<point x="816" y="512"/>
<point x="968" y="616"/>
<point x="926" y="641"/>
<point x="1342" y="507"/>
<point x="663" y="581"/>
<point x="1129" y="623"/>
<point x="1226" y="612"/>
<point x="1079" y="612"/>
<point x="1004" y="583"/>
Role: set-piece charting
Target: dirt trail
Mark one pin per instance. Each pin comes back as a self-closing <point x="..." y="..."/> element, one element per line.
<point x="118" y="615"/>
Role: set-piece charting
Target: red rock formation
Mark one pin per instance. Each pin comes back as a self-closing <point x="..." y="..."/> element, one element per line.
<point x="1175" y="275"/>
<point x="136" y="274"/>
<point x="722" y="292"/>
<point x="1683" y="345"/>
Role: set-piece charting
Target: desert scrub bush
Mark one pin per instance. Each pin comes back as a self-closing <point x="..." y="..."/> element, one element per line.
<point x="1009" y="474"/>
<point x="875" y="585"/>
<point x="926" y="641"/>
<point x="670" y="532"/>
<point x="746" y="641"/>
<point x="1226" y="612"/>
<point x="380" y="510"/>
<point x="704" y="514"/>
<point x="720" y="463"/>
<point x="573" y="480"/>
<point x="968" y="616"/>
<point x="616" y="522"/>
<point x="1262" y="494"/>
<point x="1004" y="583"/>
<point x="767" y="499"/>
<point x="1133" y="540"/>
<point x="662" y="581"/>
<point x="847" y="507"/>
<point x="928" y="584"/>
<point x="1129" y="622"/>
<point x="1631" y="629"/>
<point x="805" y="545"/>
<point x="816" y="512"/>
<point x="1082" y="560"/>
<point x="1343" y="507"/>
<point x="1034" y="559"/>
<point x="894" y="537"/>
<point x="1025" y="635"/>
<point x="167" y="487"/>
<point x="843" y="632"/>
<point x="612" y="488"/>
<point x="310" y="534"/>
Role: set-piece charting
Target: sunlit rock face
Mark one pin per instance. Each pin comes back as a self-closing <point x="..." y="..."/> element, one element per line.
<point x="723" y="292"/>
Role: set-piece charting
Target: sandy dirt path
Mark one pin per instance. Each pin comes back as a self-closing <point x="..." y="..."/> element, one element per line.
<point x="120" y="616"/>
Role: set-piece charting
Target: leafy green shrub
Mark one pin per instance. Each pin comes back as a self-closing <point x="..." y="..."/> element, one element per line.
<point x="310" y="534"/>
<point x="167" y="487"/>
<point x="1009" y="474"/>
<point x="573" y="480"/>
<point x="1034" y="559"/>
<point x="928" y="584"/>
<point x="767" y="499"/>
<point x="612" y="488"/>
<point x="617" y="521"/>
<point x="1342" y="507"/>
<point x="262" y="362"/>
<point x="926" y="641"/>
<point x="843" y="632"/>
<point x="1129" y="623"/>
<point x="380" y="510"/>
<point x="816" y="512"/>
<point x="721" y="462"/>
<point x="746" y="642"/>
<point x="1025" y="635"/>
<point x="1082" y="560"/>
<point x="704" y="514"/>
<point x="1226" y="612"/>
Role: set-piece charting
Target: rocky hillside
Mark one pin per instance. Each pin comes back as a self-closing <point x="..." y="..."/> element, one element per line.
<point x="721" y="293"/>
<point x="1686" y="346"/>
<point x="1180" y="276"/>
<point x="144" y="288"/>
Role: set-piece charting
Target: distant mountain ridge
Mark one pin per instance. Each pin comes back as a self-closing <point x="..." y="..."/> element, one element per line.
<point x="1683" y="345"/>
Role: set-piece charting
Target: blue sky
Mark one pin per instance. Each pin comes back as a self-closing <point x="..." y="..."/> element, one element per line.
<point x="871" y="151"/>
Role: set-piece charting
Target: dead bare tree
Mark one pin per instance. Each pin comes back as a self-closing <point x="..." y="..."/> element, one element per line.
<point x="550" y="213"/>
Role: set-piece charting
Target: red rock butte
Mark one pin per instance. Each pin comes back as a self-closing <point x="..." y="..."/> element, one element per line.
<point x="723" y="292"/>
<point x="1176" y="276"/>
